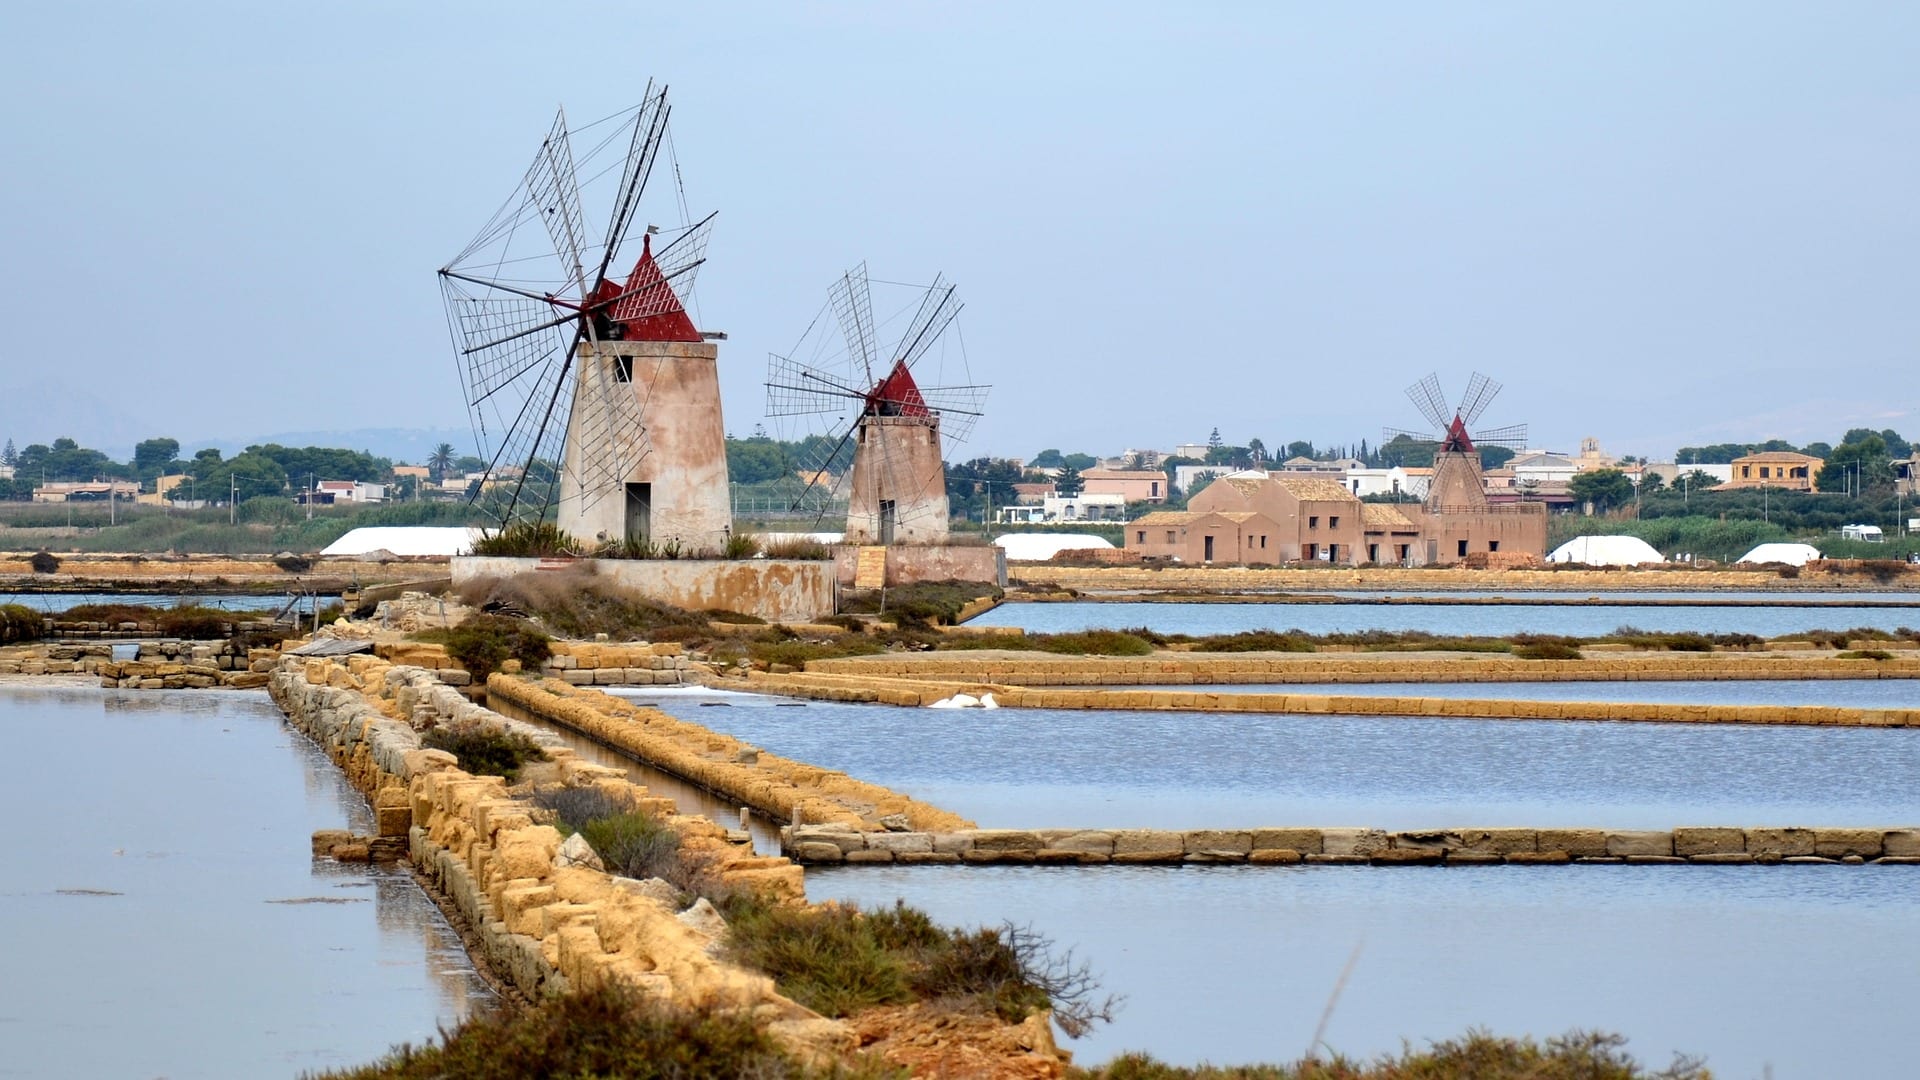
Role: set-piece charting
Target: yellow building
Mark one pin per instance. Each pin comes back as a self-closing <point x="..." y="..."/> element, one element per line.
<point x="1774" y="468"/>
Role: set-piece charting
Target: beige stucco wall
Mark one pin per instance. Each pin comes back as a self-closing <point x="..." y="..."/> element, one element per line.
<point x="779" y="590"/>
<point x="907" y="564"/>
<point x="677" y="385"/>
<point x="898" y="458"/>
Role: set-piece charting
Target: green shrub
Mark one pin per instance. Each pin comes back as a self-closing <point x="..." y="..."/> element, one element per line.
<point x="796" y="548"/>
<point x="44" y="562"/>
<point x="1865" y="654"/>
<point x="577" y="603"/>
<point x="481" y="643"/>
<point x="740" y="546"/>
<point x="840" y="960"/>
<point x="1546" y="650"/>
<point x="484" y="749"/>
<point x="605" y="1032"/>
<point x="19" y="622"/>
<point x="786" y="650"/>
<point x="1091" y="643"/>
<point x="1578" y="1055"/>
<point x="529" y="539"/>
<point x="936" y="603"/>
<point x="734" y="617"/>
<point x="1257" y="641"/>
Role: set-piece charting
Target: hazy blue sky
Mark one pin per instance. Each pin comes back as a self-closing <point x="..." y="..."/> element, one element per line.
<point x="1654" y="223"/>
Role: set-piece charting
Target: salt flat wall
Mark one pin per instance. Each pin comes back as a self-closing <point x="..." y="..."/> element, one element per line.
<point x="1240" y="579"/>
<point x="543" y="923"/>
<point x="778" y="590"/>
<point x="908" y="564"/>
<point x="79" y="569"/>
<point x="1351" y="846"/>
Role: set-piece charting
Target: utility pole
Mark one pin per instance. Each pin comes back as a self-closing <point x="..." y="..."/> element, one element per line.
<point x="233" y="496"/>
<point x="309" y="496"/>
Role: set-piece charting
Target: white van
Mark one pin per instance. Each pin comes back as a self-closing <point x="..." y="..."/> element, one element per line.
<point x="1870" y="533"/>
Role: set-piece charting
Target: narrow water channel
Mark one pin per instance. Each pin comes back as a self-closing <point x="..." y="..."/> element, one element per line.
<point x="160" y="914"/>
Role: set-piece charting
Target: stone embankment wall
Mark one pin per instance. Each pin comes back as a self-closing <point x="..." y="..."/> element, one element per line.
<point x="1237" y="579"/>
<point x="921" y="692"/>
<point x="579" y="663"/>
<point x="910" y="564"/>
<point x="159" y="665"/>
<point x="783" y="789"/>
<point x="1293" y="846"/>
<point x="121" y="631"/>
<point x="543" y="922"/>
<point x="1196" y="669"/>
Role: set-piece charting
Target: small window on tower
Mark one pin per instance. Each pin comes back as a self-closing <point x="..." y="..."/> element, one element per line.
<point x="623" y="368"/>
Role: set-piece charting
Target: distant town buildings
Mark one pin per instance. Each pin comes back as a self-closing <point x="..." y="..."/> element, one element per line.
<point x="1776" y="469"/>
<point x="90" y="491"/>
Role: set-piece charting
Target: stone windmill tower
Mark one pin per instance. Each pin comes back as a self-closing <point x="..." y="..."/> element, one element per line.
<point x="1458" y="484"/>
<point x="896" y="487"/>
<point x="594" y="397"/>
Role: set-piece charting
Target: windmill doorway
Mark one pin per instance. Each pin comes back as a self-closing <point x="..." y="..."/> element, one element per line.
<point x="889" y="515"/>
<point x="639" y="511"/>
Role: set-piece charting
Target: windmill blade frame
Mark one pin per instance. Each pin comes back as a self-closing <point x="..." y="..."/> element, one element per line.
<point x="1480" y="393"/>
<point x="1512" y="437"/>
<point x="1427" y="397"/>
<point x="852" y="302"/>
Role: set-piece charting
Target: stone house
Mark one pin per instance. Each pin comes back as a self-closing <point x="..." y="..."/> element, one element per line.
<point x="1206" y="536"/>
<point x="1317" y="517"/>
<point x="1132" y="485"/>
<point x="1774" y="468"/>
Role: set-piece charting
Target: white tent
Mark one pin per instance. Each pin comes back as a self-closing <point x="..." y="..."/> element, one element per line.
<point x="1791" y="554"/>
<point x="1606" y="551"/>
<point x="1039" y="547"/>
<point x="403" y="540"/>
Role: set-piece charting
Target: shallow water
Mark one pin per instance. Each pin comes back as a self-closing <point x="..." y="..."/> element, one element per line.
<point x="1493" y="621"/>
<point x="1800" y="974"/>
<point x="1032" y="768"/>
<point x="58" y="602"/>
<point x="1851" y="693"/>
<point x="160" y="914"/>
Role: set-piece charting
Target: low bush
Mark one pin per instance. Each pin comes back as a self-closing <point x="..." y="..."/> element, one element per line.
<point x="798" y="547"/>
<point x="734" y="617"/>
<point x="481" y="643"/>
<point x="577" y="603"/>
<point x="1866" y="654"/>
<point x="936" y="603"/>
<point x="840" y="960"/>
<point x="784" y="648"/>
<point x="529" y="540"/>
<point x="740" y="546"/>
<point x="1257" y="641"/>
<point x="1680" y="641"/>
<point x="1578" y="1055"/>
<point x="484" y="749"/>
<point x="193" y="621"/>
<point x="1546" y="650"/>
<point x="605" y="1031"/>
<point x="18" y="622"/>
<point x="1091" y="643"/>
<point x="293" y="564"/>
<point x="636" y="844"/>
<point x="44" y="562"/>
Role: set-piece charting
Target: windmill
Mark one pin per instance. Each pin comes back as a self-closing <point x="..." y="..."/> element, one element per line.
<point x="875" y="404"/>
<point x="578" y="372"/>
<point x="1456" y="482"/>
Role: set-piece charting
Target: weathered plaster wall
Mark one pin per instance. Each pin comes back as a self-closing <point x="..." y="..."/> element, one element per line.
<point x="908" y="564"/>
<point x="778" y="590"/>
<point x="897" y="459"/>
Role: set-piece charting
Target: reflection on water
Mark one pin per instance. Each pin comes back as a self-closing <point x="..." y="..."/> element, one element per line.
<point x="1808" y="972"/>
<point x="1580" y="621"/>
<point x="223" y="949"/>
<point x="1027" y="768"/>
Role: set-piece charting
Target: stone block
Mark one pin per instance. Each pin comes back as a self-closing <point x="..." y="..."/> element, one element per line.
<point x="1810" y="860"/>
<point x="1324" y="859"/>
<point x="1407" y="857"/>
<point x="1273" y="856"/>
<point x="1784" y="843"/>
<point x="1362" y="842"/>
<point x="900" y="843"/>
<point x="1840" y="843"/>
<point x="1091" y="841"/>
<point x="1009" y="857"/>
<point x="577" y="677"/>
<point x="926" y="858"/>
<point x="1901" y="843"/>
<point x="996" y="840"/>
<point x="1134" y="841"/>
<point x="1689" y="842"/>
<point x="1577" y="843"/>
<point x="1640" y="842"/>
<point x="869" y="856"/>
<point x="1481" y="858"/>
<point x="1729" y="857"/>
<point x="1539" y="858"/>
<point x="394" y="820"/>
<point x="814" y="851"/>
<point x="1498" y="841"/>
<point x="1654" y="860"/>
<point x="952" y="843"/>
<point x="1304" y="841"/>
<point x="1149" y="858"/>
<point x="1210" y="841"/>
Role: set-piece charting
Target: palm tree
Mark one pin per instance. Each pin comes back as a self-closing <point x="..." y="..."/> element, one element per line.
<point x="440" y="461"/>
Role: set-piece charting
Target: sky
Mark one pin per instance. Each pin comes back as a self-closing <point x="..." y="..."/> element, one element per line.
<point x="1654" y="224"/>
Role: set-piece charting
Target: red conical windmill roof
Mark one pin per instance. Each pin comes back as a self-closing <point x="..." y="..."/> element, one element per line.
<point x="645" y="309"/>
<point x="897" y="395"/>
